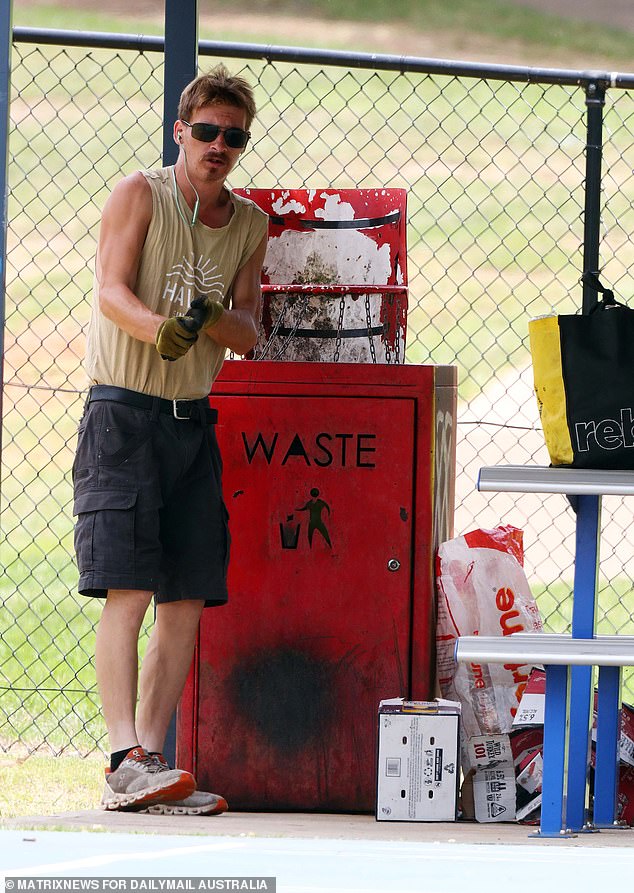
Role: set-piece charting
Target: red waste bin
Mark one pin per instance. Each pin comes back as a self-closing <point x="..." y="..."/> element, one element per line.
<point x="339" y="482"/>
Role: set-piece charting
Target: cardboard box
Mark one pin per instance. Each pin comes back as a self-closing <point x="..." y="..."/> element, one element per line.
<point x="531" y="772"/>
<point x="506" y="774"/>
<point x="626" y="739"/>
<point x="627" y="735"/>
<point x="486" y="751"/>
<point x="531" y="713"/>
<point x="625" y="789"/>
<point x="625" y="796"/>
<point x="418" y="761"/>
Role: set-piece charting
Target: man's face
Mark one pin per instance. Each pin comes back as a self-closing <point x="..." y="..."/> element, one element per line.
<point x="211" y="161"/>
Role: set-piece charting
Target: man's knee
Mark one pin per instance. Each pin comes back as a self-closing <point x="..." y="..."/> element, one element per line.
<point x="183" y="614"/>
<point x="130" y="604"/>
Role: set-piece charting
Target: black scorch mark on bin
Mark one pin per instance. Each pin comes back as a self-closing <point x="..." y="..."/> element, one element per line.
<point x="286" y="694"/>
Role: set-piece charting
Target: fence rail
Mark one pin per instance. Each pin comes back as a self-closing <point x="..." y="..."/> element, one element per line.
<point x="503" y="213"/>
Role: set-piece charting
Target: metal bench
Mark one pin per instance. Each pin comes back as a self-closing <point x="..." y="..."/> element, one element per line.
<point x="559" y="654"/>
<point x="564" y="810"/>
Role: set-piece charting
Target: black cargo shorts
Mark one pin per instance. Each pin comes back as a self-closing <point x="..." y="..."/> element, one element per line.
<point x="148" y="499"/>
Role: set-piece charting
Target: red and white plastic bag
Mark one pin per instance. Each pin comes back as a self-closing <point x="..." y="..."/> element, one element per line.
<point x="483" y="590"/>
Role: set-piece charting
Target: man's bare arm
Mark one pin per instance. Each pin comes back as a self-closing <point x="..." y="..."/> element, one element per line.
<point x="124" y="225"/>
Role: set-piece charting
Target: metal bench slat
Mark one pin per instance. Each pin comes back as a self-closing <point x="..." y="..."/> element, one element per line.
<point x="541" y="479"/>
<point x="547" y="648"/>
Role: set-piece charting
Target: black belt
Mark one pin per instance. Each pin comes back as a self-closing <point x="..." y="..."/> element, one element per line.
<point x="194" y="410"/>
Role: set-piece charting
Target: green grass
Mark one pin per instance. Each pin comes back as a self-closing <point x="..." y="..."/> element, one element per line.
<point x="492" y="18"/>
<point x="59" y="17"/>
<point x="40" y="785"/>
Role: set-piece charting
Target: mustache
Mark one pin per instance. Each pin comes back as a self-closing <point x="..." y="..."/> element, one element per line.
<point x="215" y="156"/>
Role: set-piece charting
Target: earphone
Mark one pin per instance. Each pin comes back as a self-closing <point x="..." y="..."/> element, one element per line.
<point x="197" y="201"/>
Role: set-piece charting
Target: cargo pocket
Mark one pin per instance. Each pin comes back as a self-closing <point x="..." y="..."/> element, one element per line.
<point x="104" y="531"/>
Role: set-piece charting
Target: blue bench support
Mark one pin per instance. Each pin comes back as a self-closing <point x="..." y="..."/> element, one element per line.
<point x="586" y="487"/>
<point x="584" y="610"/>
<point x="561" y="655"/>
<point x="556" y="736"/>
<point x="606" y="775"/>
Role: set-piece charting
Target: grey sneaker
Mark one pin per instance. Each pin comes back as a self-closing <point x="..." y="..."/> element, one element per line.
<point x="141" y="780"/>
<point x="198" y="803"/>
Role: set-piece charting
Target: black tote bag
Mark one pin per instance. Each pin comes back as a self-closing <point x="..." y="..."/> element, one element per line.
<point x="584" y="382"/>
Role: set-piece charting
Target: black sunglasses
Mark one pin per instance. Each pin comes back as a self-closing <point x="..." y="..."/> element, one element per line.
<point x="234" y="137"/>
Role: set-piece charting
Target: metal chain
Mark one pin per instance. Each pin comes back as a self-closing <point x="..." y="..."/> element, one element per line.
<point x="277" y="325"/>
<point x="368" y="320"/>
<point x="300" y="307"/>
<point x="342" y="307"/>
<point x="397" y="333"/>
<point x="388" y="352"/>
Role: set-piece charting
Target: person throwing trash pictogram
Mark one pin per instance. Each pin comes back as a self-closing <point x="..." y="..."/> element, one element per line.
<point x="315" y="508"/>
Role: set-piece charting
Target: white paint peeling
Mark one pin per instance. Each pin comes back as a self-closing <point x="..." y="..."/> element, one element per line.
<point x="334" y="208"/>
<point x="353" y="257"/>
<point x="281" y="207"/>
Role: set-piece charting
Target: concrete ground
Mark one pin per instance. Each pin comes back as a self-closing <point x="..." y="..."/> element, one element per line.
<point x="314" y="826"/>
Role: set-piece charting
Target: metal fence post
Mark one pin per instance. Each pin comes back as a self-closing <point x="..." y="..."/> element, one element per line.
<point x="595" y="101"/>
<point x="180" y="67"/>
<point x="181" y="64"/>
<point x="6" y="8"/>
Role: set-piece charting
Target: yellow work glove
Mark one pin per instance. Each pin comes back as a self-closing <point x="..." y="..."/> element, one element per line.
<point x="176" y="336"/>
<point x="205" y="311"/>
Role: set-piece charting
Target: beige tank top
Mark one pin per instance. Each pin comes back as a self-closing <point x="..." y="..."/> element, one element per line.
<point x="178" y="263"/>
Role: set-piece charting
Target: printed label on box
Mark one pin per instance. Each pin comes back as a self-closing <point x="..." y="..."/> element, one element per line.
<point x="531" y="708"/>
<point x="488" y="750"/>
<point x="530" y="711"/>
<point x="494" y="794"/>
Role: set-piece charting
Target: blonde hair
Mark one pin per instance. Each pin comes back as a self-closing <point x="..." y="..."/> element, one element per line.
<point x="217" y="86"/>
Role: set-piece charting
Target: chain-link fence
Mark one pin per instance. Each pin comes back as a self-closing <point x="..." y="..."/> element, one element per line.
<point x="494" y="168"/>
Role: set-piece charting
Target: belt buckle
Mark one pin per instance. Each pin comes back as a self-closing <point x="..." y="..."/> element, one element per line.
<point x="182" y="418"/>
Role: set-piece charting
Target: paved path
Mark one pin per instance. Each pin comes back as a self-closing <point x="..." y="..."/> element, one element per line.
<point x="616" y="13"/>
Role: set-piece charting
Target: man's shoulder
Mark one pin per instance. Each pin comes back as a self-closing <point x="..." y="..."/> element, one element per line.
<point x="156" y="175"/>
<point x="135" y="184"/>
<point x="131" y="194"/>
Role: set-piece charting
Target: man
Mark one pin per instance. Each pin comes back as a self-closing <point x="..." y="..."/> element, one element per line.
<point x="177" y="282"/>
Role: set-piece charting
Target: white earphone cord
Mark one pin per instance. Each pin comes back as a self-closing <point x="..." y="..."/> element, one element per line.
<point x="178" y="204"/>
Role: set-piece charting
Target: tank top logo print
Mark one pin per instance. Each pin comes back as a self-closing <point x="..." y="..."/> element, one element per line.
<point x="186" y="281"/>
